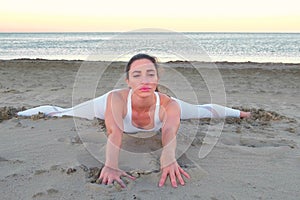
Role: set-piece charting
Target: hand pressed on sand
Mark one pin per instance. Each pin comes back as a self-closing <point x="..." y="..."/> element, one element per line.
<point x="109" y="175"/>
<point x="174" y="171"/>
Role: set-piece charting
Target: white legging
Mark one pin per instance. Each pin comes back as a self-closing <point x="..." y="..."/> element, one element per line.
<point x="95" y="108"/>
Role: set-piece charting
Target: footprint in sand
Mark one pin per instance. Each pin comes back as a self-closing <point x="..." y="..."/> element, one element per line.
<point x="257" y="142"/>
<point x="50" y="192"/>
<point x="10" y="167"/>
<point x="40" y="171"/>
<point x="11" y="161"/>
<point x="71" y="140"/>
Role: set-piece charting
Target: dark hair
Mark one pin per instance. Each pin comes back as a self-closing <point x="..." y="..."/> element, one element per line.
<point x="138" y="57"/>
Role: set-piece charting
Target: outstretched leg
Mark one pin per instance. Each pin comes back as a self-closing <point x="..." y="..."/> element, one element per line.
<point x="96" y="108"/>
<point x="88" y="110"/>
<point x="192" y="111"/>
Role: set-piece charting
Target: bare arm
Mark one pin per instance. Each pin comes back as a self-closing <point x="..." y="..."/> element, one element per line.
<point x="169" y="132"/>
<point x="114" y="126"/>
<point x="168" y="161"/>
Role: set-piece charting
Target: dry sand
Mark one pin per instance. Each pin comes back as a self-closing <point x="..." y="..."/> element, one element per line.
<point x="51" y="158"/>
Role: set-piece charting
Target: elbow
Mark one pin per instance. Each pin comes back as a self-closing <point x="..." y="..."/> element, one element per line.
<point x="114" y="136"/>
<point x="170" y="130"/>
<point x="113" y="129"/>
<point x="168" y="134"/>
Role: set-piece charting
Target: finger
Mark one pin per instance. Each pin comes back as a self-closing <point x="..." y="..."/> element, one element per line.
<point x="129" y="176"/>
<point x="184" y="173"/>
<point x="121" y="183"/>
<point x="162" y="179"/>
<point x="104" y="180"/>
<point x="173" y="179"/>
<point x="101" y="175"/>
<point x="179" y="177"/>
<point x="99" y="180"/>
<point x="110" y="180"/>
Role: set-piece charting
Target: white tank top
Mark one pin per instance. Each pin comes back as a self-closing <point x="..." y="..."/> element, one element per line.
<point x="127" y="121"/>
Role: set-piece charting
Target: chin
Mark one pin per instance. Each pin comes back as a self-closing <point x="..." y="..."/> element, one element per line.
<point x="145" y="93"/>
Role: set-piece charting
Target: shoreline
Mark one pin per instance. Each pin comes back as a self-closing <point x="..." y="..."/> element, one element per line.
<point x="166" y="62"/>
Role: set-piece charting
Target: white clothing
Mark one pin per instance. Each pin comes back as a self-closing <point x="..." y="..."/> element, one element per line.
<point x="95" y="108"/>
<point x="127" y="121"/>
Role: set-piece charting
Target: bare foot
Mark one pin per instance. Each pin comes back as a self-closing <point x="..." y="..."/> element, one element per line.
<point x="245" y="114"/>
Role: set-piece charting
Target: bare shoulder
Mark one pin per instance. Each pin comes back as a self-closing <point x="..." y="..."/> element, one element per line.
<point x="166" y="101"/>
<point x="170" y="109"/>
<point x="115" y="111"/>
<point x="118" y="95"/>
<point x="117" y="101"/>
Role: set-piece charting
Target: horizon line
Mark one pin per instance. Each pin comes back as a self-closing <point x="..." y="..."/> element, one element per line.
<point x="150" y="31"/>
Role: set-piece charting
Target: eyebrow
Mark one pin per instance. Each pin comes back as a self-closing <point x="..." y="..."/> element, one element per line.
<point x="139" y="71"/>
<point x="150" y="70"/>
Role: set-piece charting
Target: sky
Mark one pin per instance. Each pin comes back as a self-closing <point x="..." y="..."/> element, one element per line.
<point x="129" y="15"/>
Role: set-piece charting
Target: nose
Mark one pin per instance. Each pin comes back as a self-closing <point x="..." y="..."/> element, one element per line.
<point x="145" y="79"/>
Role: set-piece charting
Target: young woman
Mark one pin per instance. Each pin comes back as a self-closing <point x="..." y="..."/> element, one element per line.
<point x="140" y="108"/>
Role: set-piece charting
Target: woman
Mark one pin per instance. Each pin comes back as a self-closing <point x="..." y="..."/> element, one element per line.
<point x="140" y="108"/>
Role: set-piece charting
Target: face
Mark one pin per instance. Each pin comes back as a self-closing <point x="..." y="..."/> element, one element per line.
<point x="142" y="77"/>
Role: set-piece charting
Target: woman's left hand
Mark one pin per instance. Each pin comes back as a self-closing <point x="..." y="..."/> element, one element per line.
<point x="174" y="171"/>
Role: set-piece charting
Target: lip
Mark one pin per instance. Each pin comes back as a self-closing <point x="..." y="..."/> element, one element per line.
<point x="145" y="89"/>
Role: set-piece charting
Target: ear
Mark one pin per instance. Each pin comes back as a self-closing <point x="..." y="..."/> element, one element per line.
<point x="127" y="81"/>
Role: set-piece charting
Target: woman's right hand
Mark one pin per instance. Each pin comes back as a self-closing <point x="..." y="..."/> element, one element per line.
<point x="109" y="175"/>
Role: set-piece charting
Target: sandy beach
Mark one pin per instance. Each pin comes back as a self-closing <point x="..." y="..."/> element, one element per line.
<point x="57" y="158"/>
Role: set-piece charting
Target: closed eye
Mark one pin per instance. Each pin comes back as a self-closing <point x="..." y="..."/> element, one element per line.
<point x="136" y="74"/>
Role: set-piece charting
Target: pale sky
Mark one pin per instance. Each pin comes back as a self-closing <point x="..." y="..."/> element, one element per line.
<point x="128" y="15"/>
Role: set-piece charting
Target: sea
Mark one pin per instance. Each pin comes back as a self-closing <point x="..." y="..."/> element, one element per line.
<point x="166" y="46"/>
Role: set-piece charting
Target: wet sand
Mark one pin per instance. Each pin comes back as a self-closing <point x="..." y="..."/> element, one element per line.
<point x="60" y="158"/>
